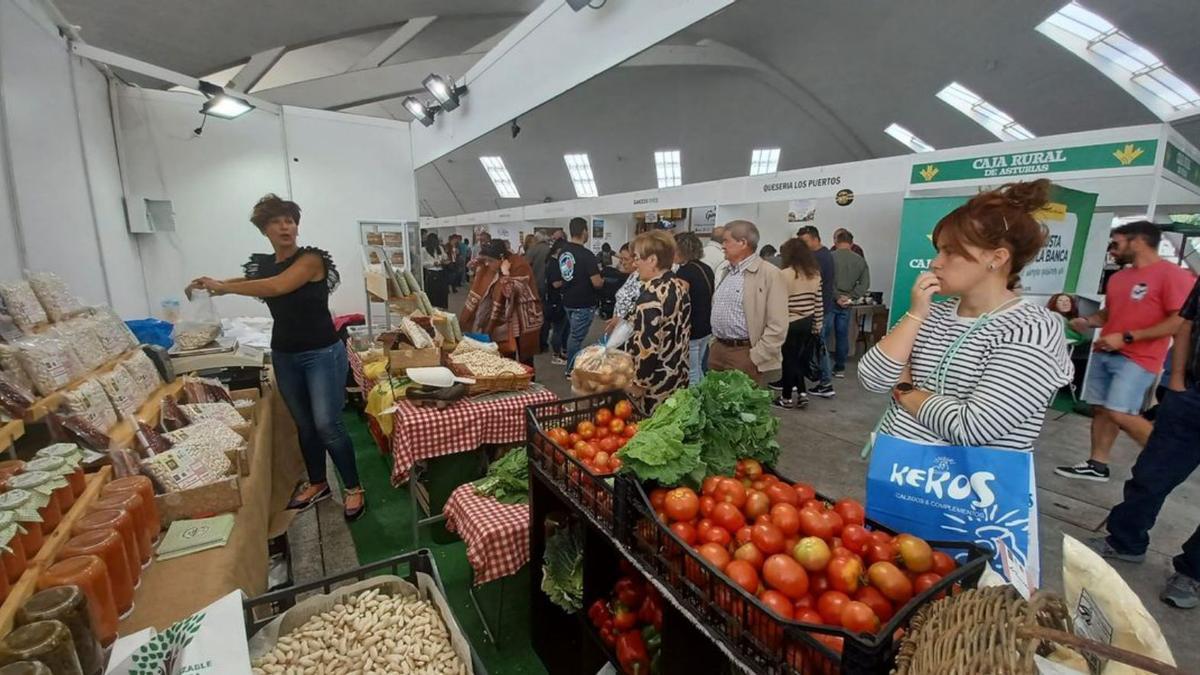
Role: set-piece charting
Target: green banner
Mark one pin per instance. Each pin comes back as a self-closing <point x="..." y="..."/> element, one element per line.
<point x="1081" y="158"/>
<point x="1181" y="164"/>
<point x="1068" y="218"/>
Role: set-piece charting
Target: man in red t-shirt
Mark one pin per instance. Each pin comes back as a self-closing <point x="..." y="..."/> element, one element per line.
<point x="1141" y="314"/>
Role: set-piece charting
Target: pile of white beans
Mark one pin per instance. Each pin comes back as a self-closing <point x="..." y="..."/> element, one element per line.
<point x="370" y="633"/>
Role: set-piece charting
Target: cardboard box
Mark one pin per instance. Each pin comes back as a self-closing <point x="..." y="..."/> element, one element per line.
<point x="222" y="496"/>
<point x="246" y="395"/>
<point x="403" y="358"/>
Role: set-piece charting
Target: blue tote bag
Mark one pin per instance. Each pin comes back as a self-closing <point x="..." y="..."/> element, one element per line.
<point x="987" y="496"/>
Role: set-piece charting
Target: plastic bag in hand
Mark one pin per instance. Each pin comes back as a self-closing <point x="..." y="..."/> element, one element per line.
<point x="200" y="324"/>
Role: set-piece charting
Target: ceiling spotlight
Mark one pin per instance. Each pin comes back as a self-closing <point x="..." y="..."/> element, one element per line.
<point x="446" y="92"/>
<point x="221" y="104"/>
<point x="423" y="113"/>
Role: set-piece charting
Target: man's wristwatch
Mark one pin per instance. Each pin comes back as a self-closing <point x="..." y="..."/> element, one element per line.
<point x="1127" y="337"/>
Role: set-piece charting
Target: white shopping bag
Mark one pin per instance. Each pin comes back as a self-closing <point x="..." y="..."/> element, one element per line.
<point x="209" y="642"/>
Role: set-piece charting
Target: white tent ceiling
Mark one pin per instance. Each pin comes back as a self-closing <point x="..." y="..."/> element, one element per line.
<point x="828" y="77"/>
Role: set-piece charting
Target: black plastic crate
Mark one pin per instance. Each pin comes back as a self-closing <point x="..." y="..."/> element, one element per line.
<point x="590" y="493"/>
<point x="766" y="642"/>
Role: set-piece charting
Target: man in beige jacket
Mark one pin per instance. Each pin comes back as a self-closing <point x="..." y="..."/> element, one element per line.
<point x="750" y="308"/>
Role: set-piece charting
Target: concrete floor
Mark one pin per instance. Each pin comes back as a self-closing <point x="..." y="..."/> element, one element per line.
<point x="821" y="446"/>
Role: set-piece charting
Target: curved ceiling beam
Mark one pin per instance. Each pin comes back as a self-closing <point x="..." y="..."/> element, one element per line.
<point x="393" y="43"/>
<point x="255" y="69"/>
<point x="359" y="87"/>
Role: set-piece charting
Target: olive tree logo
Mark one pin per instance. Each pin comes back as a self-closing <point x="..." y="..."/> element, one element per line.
<point x="160" y="656"/>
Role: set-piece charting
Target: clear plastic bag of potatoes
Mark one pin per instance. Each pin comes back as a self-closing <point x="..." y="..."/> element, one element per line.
<point x="598" y="369"/>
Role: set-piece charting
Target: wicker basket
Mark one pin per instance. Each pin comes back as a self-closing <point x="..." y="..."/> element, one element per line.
<point x="493" y="384"/>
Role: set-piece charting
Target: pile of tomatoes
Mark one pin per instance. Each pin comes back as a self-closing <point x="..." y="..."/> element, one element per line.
<point x="597" y="442"/>
<point x="804" y="558"/>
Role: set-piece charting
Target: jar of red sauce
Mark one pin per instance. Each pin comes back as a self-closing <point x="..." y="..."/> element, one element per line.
<point x="41" y="486"/>
<point x="24" y="509"/>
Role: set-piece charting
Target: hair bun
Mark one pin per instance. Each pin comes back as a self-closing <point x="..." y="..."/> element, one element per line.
<point x="1028" y="196"/>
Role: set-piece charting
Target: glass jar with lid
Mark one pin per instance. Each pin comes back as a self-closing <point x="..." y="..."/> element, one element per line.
<point x="46" y="641"/>
<point x="73" y="455"/>
<point x="67" y="604"/>
<point x="91" y="576"/>
<point x="10" y="468"/>
<point x="57" y="467"/>
<point x="26" y="668"/>
<point x="107" y="545"/>
<point x="122" y="523"/>
<point x="25" y="511"/>
<point x="12" y="546"/>
<point x="41" y="486"/>
<point x="131" y="502"/>
<point x="145" y="488"/>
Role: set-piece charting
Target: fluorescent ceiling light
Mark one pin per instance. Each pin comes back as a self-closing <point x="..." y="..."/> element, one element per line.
<point x="668" y="168"/>
<point x="580" y="169"/>
<point x="1097" y="41"/>
<point x="908" y="138"/>
<point x="764" y="160"/>
<point x="500" y="178"/>
<point x="988" y="116"/>
<point x="421" y="112"/>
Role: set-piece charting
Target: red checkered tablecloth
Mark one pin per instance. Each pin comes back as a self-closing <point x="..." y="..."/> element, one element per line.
<point x="420" y="433"/>
<point x="356" y="367"/>
<point x="497" y="535"/>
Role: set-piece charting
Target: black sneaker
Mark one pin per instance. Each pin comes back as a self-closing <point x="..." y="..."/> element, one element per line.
<point x="822" y="391"/>
<point x="840" y="374"/>
<point x="801" y="402"/>
<point x="777" y="385"/>
<point x="784" y="403"/>
<point x="1089" y="470"/>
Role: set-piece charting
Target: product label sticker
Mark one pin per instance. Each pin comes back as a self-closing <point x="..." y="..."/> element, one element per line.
<point x="1090" y="622"/>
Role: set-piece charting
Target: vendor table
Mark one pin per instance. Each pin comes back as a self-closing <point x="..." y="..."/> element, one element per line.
<point x="173" y="589"/>
<point x="868" y="324"/>
<point x="420" y="433"/>
<point x="496" y="535"/>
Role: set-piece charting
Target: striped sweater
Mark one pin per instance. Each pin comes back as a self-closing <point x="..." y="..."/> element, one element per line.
<point x="996" y="389"/>
<point x="804" y="298"/>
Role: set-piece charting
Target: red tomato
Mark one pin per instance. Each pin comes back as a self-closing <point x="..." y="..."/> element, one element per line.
<point x="817" y="504"/>
<point x="710" y="485"/>
<point x="585" y="450"/>
<point x="681" y="504"/>
<point x="760" y="484"/>
<point x="818" y="584"/>
<point x="715" y="554"/>
<point x="844" y="574"/>
<point x="842" y="551"/>
<point x="785" y="575"/>
<point x="777" y="602"/>
<point x="891" y="582"/>
<point x="630" y="429"/>
<point x="858" y="618"/>
<point x="615" y="462"/>
<point x="812" y="553"/>
<point x="750" y="553"/>
<point x="717" y="535"/>
<point x="602" y="433"/>
<point x="880" y="552"/>
<point x="807" y="615"/>
<point x="617" y="426"/>
<point x="851" y="511"/>
<point x="757" y="503"/>
<point x="804" y="492"/>
<point x="703" y="526"/>
<point x="706" y="505"/>
<point x="728" y="516"/>
<point x="608" y="444"/>
<point x="750" y="468"/>
<point x="685" y="531"/>
<point x="603" y="417"/>
<point x="807" y="601"/>
<point x="743" y="535"/>
<point x="814" y="524"/>
<point x="915" y="553"/>
<point x="574" y="438"/>
<point x="871" y="597"/>
<point x="925" y="581"/>
<point x="830" y="606"/>
<point x="558" y="435"/>
<point x="781" y="494"/>
<point x="832" y="642"/>
<point x="743" y="574"/>
<point x="600" y="461"/>
<point x="732" y="491"/>
<point x="658" y="497"/>
<point x="834" y="520"/>
<point x="586" y="430"/>
<point x="786" y="517"/>
<point x="623" y="410"/>
<point x="855" y="538"/>
<point x="621" y="442"/>
<point x="942" y="563"/>
<point x="767" y="537"/>
<point x="764" y="518"/>
<point x="881" y="536"/>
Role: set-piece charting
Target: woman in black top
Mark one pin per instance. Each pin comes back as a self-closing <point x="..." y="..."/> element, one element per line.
<point x="310" y="361"/>
<point x="700" y="279"/>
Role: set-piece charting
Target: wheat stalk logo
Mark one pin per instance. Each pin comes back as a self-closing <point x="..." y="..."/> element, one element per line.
<point x="160" y="656"/>
<point x="1127" y="154"/>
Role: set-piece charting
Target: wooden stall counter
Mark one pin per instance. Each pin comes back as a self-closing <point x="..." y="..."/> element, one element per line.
<point x="174" y="589"/>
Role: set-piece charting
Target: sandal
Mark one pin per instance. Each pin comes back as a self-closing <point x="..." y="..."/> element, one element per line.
<point x="298" y="504"/>
<point x="352" y="515"/>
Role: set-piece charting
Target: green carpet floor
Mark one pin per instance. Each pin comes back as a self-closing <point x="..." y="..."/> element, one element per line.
<point x="385" y="530"/>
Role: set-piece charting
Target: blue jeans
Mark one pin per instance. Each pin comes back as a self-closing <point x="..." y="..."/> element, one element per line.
<point x="698" y="358"/>
<point x="826" y="363"/>
<point x="1117" y="383"/>
<point x="1171" y="455"/>
<point x="580" y="322"/>
<point x="841" y="332"/>
<point x="558" y="339"/>
<point x="313" y="385"/>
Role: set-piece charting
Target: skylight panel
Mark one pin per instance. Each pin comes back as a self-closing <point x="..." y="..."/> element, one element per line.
<point x="580" y="168"/>
<point x="668" y="167"/>
<point x="988" y="116"/>
<point x="500" y="177"/>
<point x="908" y="138"/>
<point x="764" y="160"/>
<point x="1131" y="65"/>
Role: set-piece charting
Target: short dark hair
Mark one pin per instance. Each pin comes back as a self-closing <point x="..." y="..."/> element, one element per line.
<point x="1148" y="231"/>
<point x="810" y="230"/>
<point x="578" y="227"/>
<point x="843" y="237"/>
<point x="272" y="206"/>
<point x="768" y="251"/>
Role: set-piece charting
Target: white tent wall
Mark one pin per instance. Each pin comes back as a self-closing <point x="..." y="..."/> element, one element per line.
<point x="341" y="169"/>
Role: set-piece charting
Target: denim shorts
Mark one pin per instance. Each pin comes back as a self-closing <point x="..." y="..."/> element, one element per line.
<point x="1117" y="383"/>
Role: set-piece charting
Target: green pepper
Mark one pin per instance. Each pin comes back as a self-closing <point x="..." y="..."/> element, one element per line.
<point x="652" y="639"/>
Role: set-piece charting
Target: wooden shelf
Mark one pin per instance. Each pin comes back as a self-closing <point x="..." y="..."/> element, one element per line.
<point x="49" y="403"/>
<point x="10" y="432"/>
<point x="122" y="434"/>
<point x="27" y="584"/>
